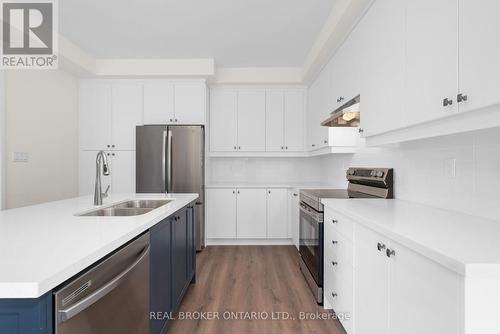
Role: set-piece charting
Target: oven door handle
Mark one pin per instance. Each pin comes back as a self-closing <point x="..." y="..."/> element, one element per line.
<point x="70" y="312"/>
<point x="308" y="212"/>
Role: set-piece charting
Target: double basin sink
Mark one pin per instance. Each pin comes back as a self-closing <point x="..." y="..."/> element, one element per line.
<point x="128" y="208"/>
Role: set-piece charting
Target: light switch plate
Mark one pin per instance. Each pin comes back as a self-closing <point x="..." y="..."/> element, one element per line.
<point x="450" y="167"/>
<point x="20" y="157"/>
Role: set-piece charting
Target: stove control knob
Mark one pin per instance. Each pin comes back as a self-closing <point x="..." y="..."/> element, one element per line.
<point x="373" y="173"/>
<point x="379" y="174"/>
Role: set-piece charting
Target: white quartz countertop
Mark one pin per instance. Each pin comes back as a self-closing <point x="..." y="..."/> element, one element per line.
<point x="466" y="244"/>
<point x="41" y="246"/>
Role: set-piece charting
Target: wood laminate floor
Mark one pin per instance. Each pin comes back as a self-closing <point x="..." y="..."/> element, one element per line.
<point x="233" y="281"/>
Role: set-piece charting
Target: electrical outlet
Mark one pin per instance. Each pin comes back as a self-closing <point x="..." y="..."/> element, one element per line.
<point x="450" y="167"/>
<point x="20" y="157"/>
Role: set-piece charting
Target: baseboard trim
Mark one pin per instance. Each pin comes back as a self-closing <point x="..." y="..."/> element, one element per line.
<point x="249" y="242"/>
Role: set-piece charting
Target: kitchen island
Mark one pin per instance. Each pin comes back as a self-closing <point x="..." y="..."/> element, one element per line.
<point x="43" y="246"/>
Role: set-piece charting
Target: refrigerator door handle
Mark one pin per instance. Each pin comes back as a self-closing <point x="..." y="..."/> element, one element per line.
<point x="169" y="161"/>
<point x="163" y="160"/>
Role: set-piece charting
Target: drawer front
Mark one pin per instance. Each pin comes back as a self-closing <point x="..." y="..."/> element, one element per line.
<point x="339" y="290"/>
<point x="338" y="247"/>
<point x="340" y="223"/>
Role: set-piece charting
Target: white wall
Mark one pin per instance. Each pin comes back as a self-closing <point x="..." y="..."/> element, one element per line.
<point x="421" y="171"/>
<point x="42" y="120"/>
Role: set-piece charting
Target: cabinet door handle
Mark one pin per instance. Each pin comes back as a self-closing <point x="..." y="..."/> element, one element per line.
<point x="234" y="192"/>
<point x="334" y="242"/>
<point x="390" y="252"/>
<point x="334" y="221"/>
<point x="282" y="147"/>
<point x="360" y="130"/>
<point x="269" y="191"/>
<point x="286" y="147"/>
<point x="447" y="102"/>
<point x="340" y="99"/>
<point x="295" y="195"/>
<point x="238" y="191"/>
<point x="334" y="295"/>
<point x="239" y="147"/>
<point x="108" y="146"/>
<point x="380" y="246"/>
<point x="461" y="98"/>
<point x="334" y="263"/>
<point x="313" y="145"/>
<point x="171" y="120"/>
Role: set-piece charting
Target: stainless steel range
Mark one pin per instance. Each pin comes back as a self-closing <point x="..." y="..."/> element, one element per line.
<point x="363" y="183"/>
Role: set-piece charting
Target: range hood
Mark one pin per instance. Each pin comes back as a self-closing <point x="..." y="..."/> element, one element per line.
<point x="345" y="116"/>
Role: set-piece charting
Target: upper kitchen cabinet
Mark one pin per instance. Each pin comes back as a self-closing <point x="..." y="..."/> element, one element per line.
<point x="285" y="121"/>
<point x="174" y="102"/>
<point x="108" y="114"/>
<point x="252" y="120"/>
<point x="344" y="72"/>
<point x="431" y="60"/>
<point x="256" y="121"/>
<point x="318" y="110"/>
<point x="223" y="120"/>
<point x="190" y="100"/>
<point x="479" y="52"/>
<point x="382" y="66"/>
<point x="126" y="114"/>
<point x="159" y="103"/>
<point x="95" y="115"/>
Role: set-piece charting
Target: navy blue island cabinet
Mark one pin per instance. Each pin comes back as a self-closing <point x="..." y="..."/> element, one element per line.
<point x="173" y="261"/>
<point x="27" y="315"/>
<point x="172" y="269"/>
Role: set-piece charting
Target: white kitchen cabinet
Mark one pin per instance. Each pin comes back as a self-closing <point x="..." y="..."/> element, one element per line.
<point x="251" y="214"/>
<point x="159" y="103"/>
<point x="123" y="172"/>
<point x="94" y="115"/>
<point x="318" y="111"/>
<point x="431" y="60"/>
<point x="247" y="214"/>
<point x="190" y="99"/>
<point x="252" y="120"/>
<point x="382" y="67"/>
<point x="432" y="289"/>
<point x="394" y="284"/>
<point x="294" y="216"/>
<point x="126" y="114"/>
<point x="284" y="121"/>
<point x="479" y="44"/>
<point x="223" y="120"/>
<point x="277" y="223"/>
<point x="221" y="213"/>
<point x="121" y="167"/>
<point x="371" y="306"/>
<point x="294" y="120"/>
<point x="275" y="115"/>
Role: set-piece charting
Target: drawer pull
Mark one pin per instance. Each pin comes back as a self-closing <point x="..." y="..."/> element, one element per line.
<point x="380" y="246"/>
<point x="334" y="242"/>
<point x="334" y="263"/>
<point x="334" y="295"/>
<point x="334" y="221"/>
<point x="390" y="252"/>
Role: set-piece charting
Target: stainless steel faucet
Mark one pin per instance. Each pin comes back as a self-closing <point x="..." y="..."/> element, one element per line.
<point x="98" y="194"/>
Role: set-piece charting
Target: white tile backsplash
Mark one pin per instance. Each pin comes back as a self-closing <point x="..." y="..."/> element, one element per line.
<point x="421" y="170"/>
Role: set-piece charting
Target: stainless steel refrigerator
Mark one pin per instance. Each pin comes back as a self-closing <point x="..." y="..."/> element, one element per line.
<point x="171" y="159"/>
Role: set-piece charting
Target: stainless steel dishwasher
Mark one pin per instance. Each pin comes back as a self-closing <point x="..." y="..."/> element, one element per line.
<point x="111" y="297"/>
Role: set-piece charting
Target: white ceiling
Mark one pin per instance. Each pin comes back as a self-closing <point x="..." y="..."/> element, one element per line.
<point x="236" y="33"/>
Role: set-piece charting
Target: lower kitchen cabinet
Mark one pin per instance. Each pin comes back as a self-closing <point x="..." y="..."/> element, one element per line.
<point x="173" y="255"/>
<point x="27" y="316"/>
<point x="251" y="217"/>
<point x="247" y="214"/>
<point x="121" y="167"/>
<point x="221" y="213"/>
<point x="161" y="273"/>
<point x="294" y="216"/>
<point x="386" y="287"/>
